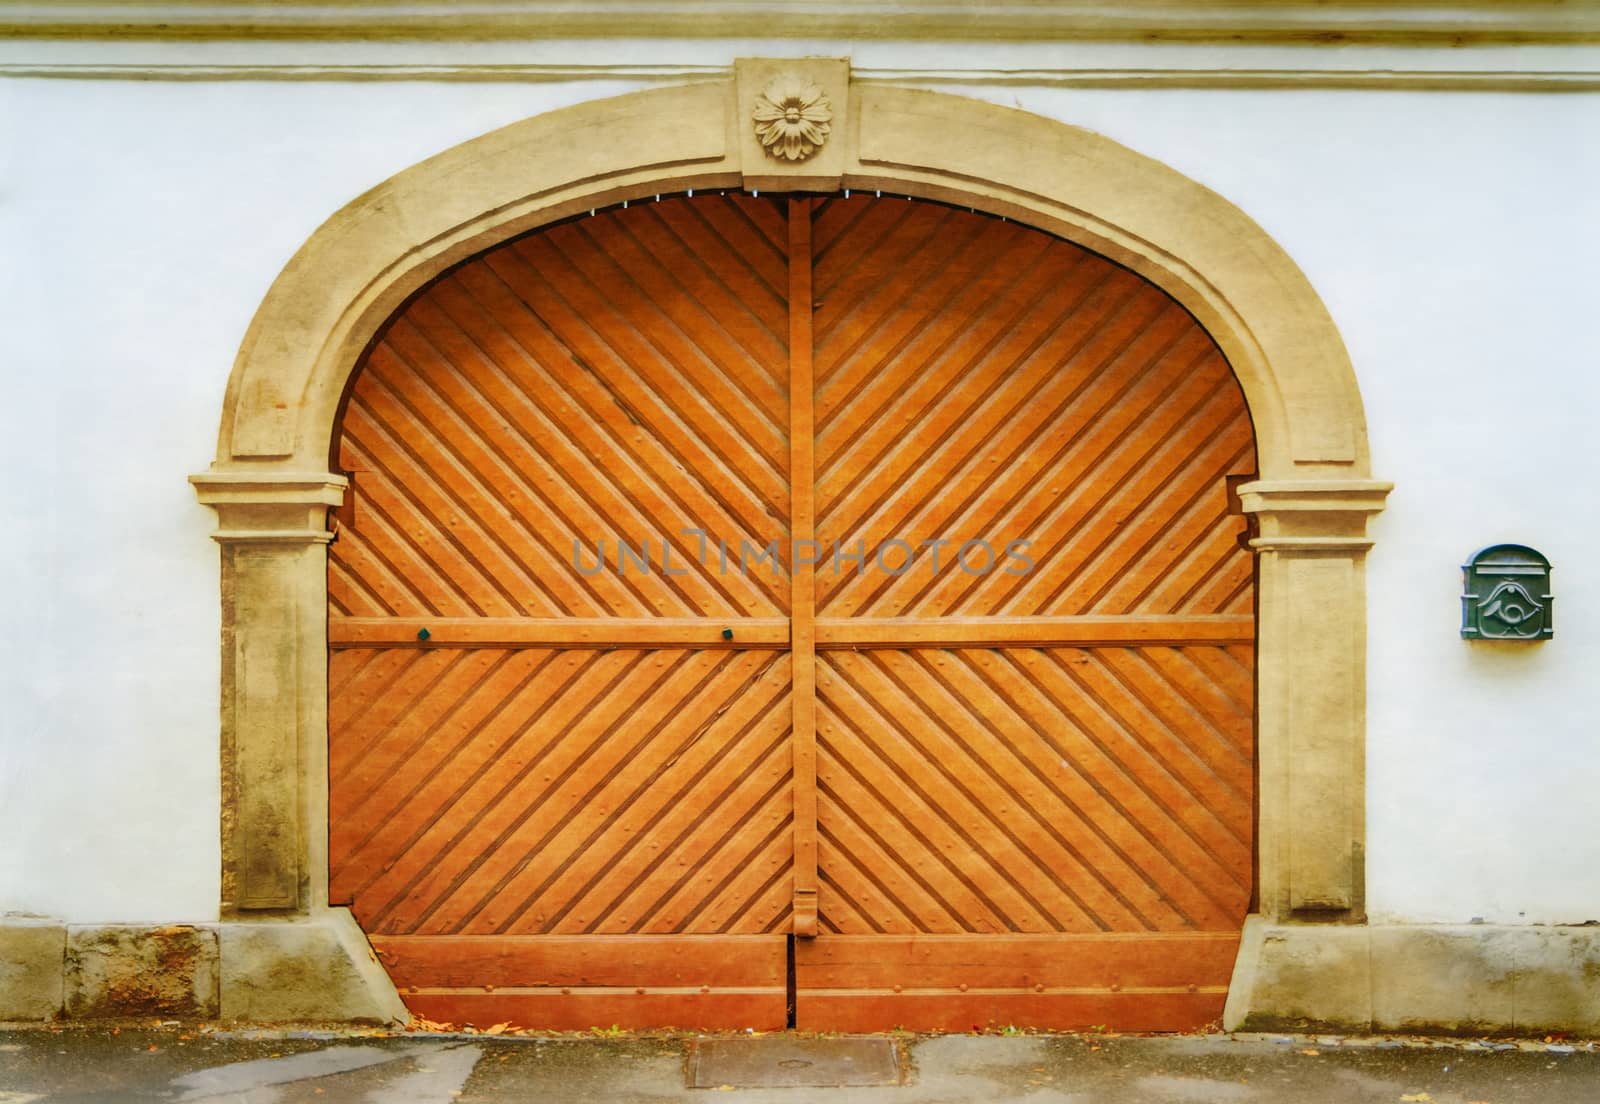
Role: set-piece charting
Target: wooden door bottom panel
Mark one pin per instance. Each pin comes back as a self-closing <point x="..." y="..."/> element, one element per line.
<point x="764" y="1009"/>
<point x="1130" y="982"/>
<point x="952" y="1010"/>
<point x="576" y="982"/>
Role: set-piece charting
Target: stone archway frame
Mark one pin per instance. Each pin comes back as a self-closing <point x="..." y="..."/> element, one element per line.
<point x="272" y="487"/>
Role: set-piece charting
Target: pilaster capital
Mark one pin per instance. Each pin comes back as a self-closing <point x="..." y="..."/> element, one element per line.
<point x="1322" y="515"/>
<point x="270" y="506"/>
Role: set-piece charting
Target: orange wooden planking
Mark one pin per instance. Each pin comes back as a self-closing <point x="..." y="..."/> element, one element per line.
<point x="988" y="632"/>
<point x="602" y="444"/>
<point x="1092" y="856"/>
<point x="978" y="1010"/>
<point x="626" y="1008"/>
<point x="934" y="752"/>
<point x="574" y="632"/>
<point x="802" y="605"/>
<point x="617" y="330"/>
<point x="1166" y="960"/>
<point x="999" y="484"/>
<point x="960" y="805"/>
<point x="1065" y="753"/>
<point x="722" y="961"/>
<point x="1139" y="798"/>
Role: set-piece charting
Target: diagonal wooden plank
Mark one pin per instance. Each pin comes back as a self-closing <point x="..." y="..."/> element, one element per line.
<point x="1205" y="880"/>
<point x="589" y="413"/>
<point x="982" y="320"/>
<point x="1213" y="728"/>
<point x="586" y="748"/>
<point x="953" y="445"/>
<point x="663" y="896"/>
<point x="879" y="328"/>
<point x="395" y="483"/>
<point x="1214" y="809"/>
<point x="956" y="809"/>
<point x="386" y="850"/>
<point x="593" y="815"/>
<point x="575" y="453"/>
<point x="697" y="780"/>
<point x="348" y="593"/>
<point x="435" y="860"/>
<point x="1155" y="866"/>
<point x="767" y="823"/>
<point x="436" y="458"/>
<point x="519" y="448"/>
<point x="682" y="310"/>
<point x="371" y="782"/>
<point x="963" y="381"/>
<point x="1068" y="509"/>
<point x="531" y="515"/>
<point x="1060" y="855"/>
<point x="606" y="334"/>
<point x="881" y="849"/>
<point x="1038" y="475"/>
<point x="639" y="311"/>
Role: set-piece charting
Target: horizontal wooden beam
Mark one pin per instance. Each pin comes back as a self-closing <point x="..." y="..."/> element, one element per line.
<point x="774" y="632"/>
<point x="568" y="961"/>
<point x="569" y="632"/>
<point x="1030" y="632"/>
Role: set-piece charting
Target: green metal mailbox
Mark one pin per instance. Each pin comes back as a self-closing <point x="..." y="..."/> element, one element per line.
<point x="1507" y="595"/>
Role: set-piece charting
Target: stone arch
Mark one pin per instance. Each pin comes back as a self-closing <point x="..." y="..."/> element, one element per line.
<point x="272" y="487"/>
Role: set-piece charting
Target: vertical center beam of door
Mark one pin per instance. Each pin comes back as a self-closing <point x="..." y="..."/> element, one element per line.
<point x="802" y="569"/>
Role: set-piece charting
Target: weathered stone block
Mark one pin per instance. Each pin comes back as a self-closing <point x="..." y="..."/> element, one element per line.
<point x="1299" y="978"/>
<point x="1558" y="980"/>
<point x="1444" y="979"/>
<point x="32" y="953"/>
<point x="320" y="970"/>
<point x="139" y="970"/>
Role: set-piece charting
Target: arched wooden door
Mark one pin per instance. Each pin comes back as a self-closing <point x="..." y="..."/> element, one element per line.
<point x="763" y="610"/>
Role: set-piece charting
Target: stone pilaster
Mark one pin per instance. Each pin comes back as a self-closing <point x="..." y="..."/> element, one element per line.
<point x="1311" y="694"/>
<point x="273" y="530"/>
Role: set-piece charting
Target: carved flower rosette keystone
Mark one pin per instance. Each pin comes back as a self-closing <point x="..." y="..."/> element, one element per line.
<point x="793" y="118"/>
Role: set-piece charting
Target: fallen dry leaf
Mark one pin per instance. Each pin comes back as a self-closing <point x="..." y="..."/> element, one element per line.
<point x="1416" y="1098"/>
<point x="1311" y="1053"/>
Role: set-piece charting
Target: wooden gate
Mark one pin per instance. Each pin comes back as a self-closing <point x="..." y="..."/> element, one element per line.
<point x="725" y="568"/>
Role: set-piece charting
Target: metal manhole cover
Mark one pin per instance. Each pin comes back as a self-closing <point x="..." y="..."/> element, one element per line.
<point x="787" y="1061"/>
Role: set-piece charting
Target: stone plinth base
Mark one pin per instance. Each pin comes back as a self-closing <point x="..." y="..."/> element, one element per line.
<point x="1469" y="979"/>
<point x="308" y="970"/>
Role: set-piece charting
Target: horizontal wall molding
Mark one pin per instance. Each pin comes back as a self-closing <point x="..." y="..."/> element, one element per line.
<point x="1425" y="80"/>
<point x="1465" y="22"/>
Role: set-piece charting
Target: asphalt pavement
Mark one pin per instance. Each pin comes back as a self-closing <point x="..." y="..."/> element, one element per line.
<point x="193" y="1064"/>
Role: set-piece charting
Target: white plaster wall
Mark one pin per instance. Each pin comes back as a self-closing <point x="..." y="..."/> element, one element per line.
<point x="140" y="225"/>
<point x="141" y="222"/>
